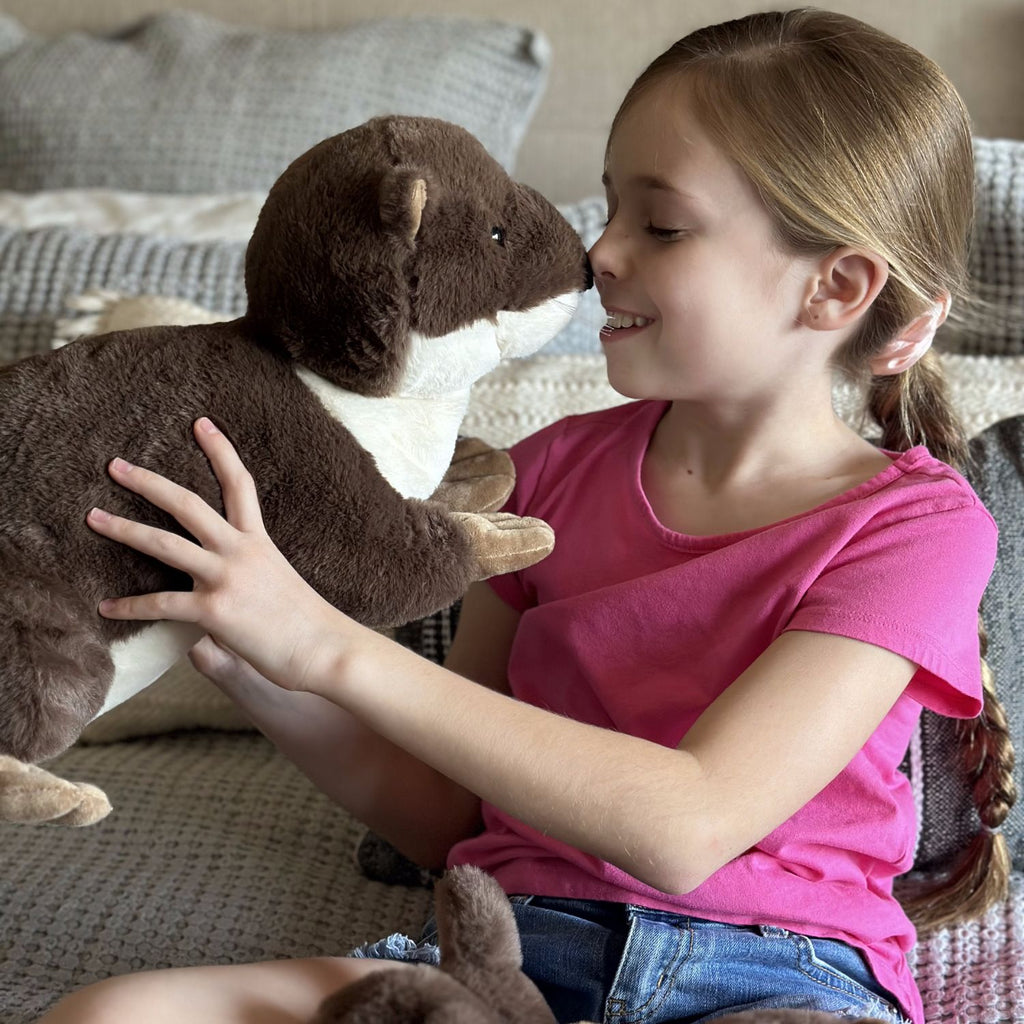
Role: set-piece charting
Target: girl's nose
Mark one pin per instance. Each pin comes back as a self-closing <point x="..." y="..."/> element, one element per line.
<point x="605" y="256"/>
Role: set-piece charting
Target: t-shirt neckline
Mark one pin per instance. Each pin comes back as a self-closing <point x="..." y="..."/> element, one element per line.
<point x="901" y="463"/>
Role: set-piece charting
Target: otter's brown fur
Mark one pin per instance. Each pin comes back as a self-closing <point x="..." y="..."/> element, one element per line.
<point x="336" y="279"/>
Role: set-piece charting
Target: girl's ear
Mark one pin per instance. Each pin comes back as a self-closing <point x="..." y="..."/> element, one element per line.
<point x="842" y="287"/>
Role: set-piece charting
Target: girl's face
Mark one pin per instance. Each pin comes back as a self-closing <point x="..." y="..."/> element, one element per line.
<point x="702" y="303"/>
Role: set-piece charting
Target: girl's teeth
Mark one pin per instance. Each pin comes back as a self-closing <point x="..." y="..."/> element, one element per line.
<point x="617" y="320"/>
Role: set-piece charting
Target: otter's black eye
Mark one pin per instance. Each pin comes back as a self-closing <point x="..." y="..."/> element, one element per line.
<point x="498" y="235"/>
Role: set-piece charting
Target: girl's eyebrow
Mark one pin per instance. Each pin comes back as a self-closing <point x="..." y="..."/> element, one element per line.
<point x="655" y="183"/>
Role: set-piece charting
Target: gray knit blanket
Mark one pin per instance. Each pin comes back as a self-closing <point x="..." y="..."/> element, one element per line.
<point x="219" y="851"/>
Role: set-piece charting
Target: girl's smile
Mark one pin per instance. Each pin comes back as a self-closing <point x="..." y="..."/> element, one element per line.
<point x="621" y="325"/>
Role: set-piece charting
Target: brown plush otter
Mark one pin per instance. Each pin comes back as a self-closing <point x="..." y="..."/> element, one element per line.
<point x="391" y="266"/>
<point x="480" y="980"/>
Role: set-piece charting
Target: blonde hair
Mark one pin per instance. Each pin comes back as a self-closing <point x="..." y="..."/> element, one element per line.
<point x="854" y="138"/>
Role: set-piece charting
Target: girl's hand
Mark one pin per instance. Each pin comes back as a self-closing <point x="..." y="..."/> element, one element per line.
<point x="246" y="594"/>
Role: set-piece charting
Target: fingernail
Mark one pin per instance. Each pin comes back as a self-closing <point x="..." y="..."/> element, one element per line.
<point x="206" y="425"/>
<point x="106" y="606"/>
<point x="121" y="466"/>
<point x="98" y="515"/>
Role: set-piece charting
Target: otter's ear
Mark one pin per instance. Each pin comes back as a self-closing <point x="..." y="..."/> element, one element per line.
<point x="405" y="193"/>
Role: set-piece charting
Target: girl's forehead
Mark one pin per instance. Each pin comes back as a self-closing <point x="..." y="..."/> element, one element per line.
<point x="660" y="145"/>
<point x="662" y="113"/>
<point x="660" y="136"/>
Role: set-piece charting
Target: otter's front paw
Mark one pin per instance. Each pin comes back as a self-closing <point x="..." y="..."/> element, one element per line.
<point x="30" y="795"/>
<point x="479" y="478"/>
<point x="503" y="542"/>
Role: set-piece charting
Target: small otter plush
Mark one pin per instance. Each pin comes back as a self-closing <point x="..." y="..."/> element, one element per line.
<point x="480" y="980"/>
<point x="390" y="267"/>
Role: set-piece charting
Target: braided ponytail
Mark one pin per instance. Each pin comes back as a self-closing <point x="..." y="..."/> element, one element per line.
<point x="980" y="876"/>
<point x="913" y="408"/>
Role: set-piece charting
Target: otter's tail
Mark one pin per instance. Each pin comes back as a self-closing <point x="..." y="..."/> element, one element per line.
<point x="55" y="667"/>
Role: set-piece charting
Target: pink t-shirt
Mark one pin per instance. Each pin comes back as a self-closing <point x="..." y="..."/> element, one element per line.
<point x="633" y="627"/>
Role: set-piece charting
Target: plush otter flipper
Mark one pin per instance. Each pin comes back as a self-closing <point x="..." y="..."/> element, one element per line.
<point x="480" y="980"/>
<point x="56" y="665"/>
<point x="422" y="995"/>
<point x="479" y="479"/>
<point x="503" y="542"/>
<point x="30" y="795"/>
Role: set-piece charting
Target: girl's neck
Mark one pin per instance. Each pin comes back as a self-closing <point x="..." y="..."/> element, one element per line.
<point x="728" y="447"/>
<point x="707" y="473"/>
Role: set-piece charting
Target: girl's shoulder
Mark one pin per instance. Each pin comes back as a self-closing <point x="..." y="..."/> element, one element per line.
<point x="918" y="478"/>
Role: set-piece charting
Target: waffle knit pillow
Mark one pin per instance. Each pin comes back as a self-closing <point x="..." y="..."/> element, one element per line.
<point x="182" y="103"/>
<point x="996" y="327"/>
<point x="948" y="818"/>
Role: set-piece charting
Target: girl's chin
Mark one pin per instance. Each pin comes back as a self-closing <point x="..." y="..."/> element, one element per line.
<point x="629" y="384"/>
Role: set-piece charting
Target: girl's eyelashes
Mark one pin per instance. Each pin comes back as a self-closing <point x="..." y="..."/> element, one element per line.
<point x="666" y="234"/>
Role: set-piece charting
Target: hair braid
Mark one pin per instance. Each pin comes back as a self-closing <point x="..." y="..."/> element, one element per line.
<point x="980" y="876"/>
<point x="913" y="408"/>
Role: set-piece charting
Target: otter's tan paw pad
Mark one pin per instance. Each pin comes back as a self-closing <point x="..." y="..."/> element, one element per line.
<point x="504" y="542"/>
<point x="479" y="479"/>
<point x="30" y="795"/>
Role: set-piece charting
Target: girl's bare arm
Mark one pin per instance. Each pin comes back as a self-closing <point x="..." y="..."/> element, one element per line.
<point x="668" y="816"/>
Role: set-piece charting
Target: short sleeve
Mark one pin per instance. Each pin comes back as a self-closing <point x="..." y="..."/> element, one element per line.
<point x="530" y="457"/>
<point x="913" y="586"/>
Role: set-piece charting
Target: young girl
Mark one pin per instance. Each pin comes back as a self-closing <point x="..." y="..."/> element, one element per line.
<point x="676" y="740"/>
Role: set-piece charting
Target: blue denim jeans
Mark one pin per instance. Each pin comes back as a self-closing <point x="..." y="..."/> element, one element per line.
<point x="622" y="964"/>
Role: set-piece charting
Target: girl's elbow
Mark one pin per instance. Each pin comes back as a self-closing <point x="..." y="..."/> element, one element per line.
<point x="679" y="879"/>
<point x="679" y="870"/>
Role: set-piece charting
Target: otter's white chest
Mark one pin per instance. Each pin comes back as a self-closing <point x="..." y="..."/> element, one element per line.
<point x="410" y="438"/>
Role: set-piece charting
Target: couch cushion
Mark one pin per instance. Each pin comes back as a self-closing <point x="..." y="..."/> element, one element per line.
<point x="218" y="850"/>
<point x="180" y="102"/>
<point x="996" y="325"/>
<point x="948" y="817"/>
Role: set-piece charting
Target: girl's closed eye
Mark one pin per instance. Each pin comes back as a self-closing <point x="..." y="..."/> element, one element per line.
<point x="667" y="234"/>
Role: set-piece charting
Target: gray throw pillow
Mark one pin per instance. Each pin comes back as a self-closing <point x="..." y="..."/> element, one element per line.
<point x="41" y="269"/>
<point x="182" y="103"/>
<point x="996" y="326"/>
<point x="948" y="819"/>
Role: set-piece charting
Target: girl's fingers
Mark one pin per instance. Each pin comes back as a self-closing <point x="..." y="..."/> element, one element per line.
<point x="169" y="548"/>
<point x="177" y="605"/>
<point x="202" y="521"/>
<point x="241" y="502"/>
